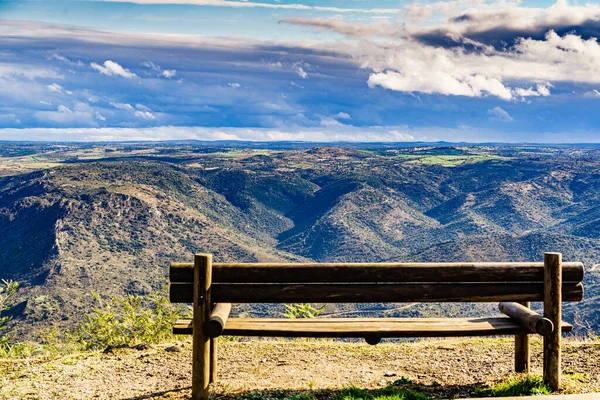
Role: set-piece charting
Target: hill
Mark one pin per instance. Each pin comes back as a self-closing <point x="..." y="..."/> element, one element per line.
<point x="109" y="218"/>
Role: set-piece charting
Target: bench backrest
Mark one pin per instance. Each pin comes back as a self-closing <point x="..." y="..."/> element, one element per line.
<point x="374" y="282"/>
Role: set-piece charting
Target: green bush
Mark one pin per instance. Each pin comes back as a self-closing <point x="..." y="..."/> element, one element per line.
<point x="7" y="293"/>
<point x="305" y="310"/>
<point x="129" y="320"/>
<point x="527" y="386"/>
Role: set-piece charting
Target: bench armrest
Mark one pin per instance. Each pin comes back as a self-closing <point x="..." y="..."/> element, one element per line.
<point x="530" y="319"/>
<point x="218" y="319"/>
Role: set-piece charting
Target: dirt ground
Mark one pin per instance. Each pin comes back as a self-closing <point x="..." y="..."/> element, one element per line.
<point x="442" y="368"/>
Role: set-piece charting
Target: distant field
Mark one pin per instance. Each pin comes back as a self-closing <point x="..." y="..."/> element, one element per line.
<point x="451" y="161"/>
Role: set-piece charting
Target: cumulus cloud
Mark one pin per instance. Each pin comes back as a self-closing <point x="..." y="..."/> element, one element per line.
<point x="234" y="85"/>
<point x="342" y="115"/>
<point x="111" y="68"/>
<point x="468" y="68"/>
<point x="499" y="114"/>
<point x="501" y="22"/>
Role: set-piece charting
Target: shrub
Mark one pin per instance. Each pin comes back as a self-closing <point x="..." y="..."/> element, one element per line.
<point x="305" y="310"/>
<point x="128" y="320"/>
<point x="7" y="293"/>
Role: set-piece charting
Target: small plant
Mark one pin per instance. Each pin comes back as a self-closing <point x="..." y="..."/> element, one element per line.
<point x="128" y="320"/>
<point x="305" y="310"/>
<point x="7" y="293"/>
<point x="528" y="386"/>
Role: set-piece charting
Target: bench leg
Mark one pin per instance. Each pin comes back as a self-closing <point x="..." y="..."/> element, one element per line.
<point x="213" y="360"/>
<point x="201" y="342"/>
<point x="522" y="352"/>
<point x="552" y="311"/>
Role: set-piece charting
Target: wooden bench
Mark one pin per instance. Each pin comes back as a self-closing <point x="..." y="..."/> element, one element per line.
<point x="211" y="288"/>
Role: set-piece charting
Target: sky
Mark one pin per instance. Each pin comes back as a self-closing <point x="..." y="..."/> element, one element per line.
<point x="323" y="70"/>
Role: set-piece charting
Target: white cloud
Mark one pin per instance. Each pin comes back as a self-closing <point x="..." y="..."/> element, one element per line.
<point x="234" y="85"/>
<point x="169" y="73"/>
<point x="140" y="110"/>
<point x="408" y="65"/>
<point x="122" y="106"/>
<point x="441" y="82"/>
<point x="79" y="114"/>
<point x="301" y="73"/>
<point x="165" y="73"/>
<point x="64" y="109"/>
<point x="250" y="4"/>
<point x="473" y="17"/>
<point x="499" y="114"/>
<point x="144" y="114"/>
<point x="329" y="122"/>
<point x="454" y="63"/>
<point x="342" y="115"/>
<point x="56" y="88"/>
<point x="540" y="90"/>
<point x="319" y="134"/>
<point x="401" y="136"/>
<point x="112" y="68"/>
<point x="64" y="59"/>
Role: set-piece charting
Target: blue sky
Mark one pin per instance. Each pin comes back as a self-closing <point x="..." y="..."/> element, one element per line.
<point x="461" y="70"/>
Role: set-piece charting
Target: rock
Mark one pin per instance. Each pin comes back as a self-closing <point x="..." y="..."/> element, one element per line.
<point x="388" y="374"/>
<point x="172" y="349"/>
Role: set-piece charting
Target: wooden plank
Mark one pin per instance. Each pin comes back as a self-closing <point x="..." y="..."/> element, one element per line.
<point x="373" y="293"/>
<point x="552" y="311"/>
<point x="376" y="272"/>
<point x="183" y="327"/>
<point x="368" y="327"/>
<point x="528" y="318"/>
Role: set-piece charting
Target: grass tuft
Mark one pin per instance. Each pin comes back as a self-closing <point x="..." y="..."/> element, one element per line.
<point x="527" y="386"/>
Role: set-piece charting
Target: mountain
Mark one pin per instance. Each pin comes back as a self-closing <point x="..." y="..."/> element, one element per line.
<point x="109" y="218"/>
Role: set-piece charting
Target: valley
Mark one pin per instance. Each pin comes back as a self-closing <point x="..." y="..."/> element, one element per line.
<point x="109" y="217"/>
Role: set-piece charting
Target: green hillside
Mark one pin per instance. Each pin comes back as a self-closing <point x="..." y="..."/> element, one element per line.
<point x="82" y="218"/>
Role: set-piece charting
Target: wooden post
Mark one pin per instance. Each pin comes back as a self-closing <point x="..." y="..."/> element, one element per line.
<point x="201" y="346"/>
<point x="522" y="352"/>
<point x="213" y="360"/>
<point x="552" y="311"/>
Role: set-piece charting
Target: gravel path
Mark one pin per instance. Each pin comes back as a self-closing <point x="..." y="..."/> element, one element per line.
<point x="442" y="368"/>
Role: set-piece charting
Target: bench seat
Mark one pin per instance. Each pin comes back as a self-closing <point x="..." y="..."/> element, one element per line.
<point x="367" y="327"/>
